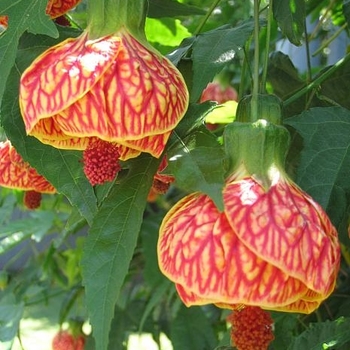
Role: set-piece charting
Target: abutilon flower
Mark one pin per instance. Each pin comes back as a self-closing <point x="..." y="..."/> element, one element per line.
<point x="252" y="328"/>
<point x="273" y="246"/>
<point x="215" y="91"/>
<point x="17" y="174"/>
<point x="115" y="87"/>
<point x="4" y="21"/>
<point x="54" y="8"/>
<point x="161" y="181"/>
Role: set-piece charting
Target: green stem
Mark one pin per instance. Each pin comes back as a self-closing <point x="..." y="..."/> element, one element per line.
<point x="321" y="21"/>
<point x="317" y="81"/>
<point x="267" y="46"/>
<point x="255" y="91"/>
<point x="308" y="61"/>
<point x="206" y="17"/>
<point x="106" y="17"/>
<point x="328" y="41"/>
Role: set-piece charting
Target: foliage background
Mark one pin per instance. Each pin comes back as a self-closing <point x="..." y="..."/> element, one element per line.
<point x="96" y="247"/>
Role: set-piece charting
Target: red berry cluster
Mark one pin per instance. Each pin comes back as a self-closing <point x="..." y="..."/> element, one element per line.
<point x="101" y="162"/>
<point x="63" y="340"/>
<point x="251" y="328"/>
<point x="32" y="199"/>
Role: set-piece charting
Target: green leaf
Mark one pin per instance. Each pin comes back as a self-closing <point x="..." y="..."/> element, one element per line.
<point x="215" y="49"/>
<point x="346" y="11"/>
<point x="36" y="226"/>
<point x="24" y="15"/>
<point x="283" y="75"/>
<point x="8" y="203"/>
<point x="149" y="238"/>
<point x="200" y="166"/>
<point x="167" y="32"/>
<point x="157" y="296"/>
<point x="325" y="335"/>
<point x="111" y="242"/>
<point x="171" y="8"/>
<point x="11" y="313"/>
<point x="191" y="330"/>
<point x="336" y="86"/>
<point x="223" y="113"/>
<point x="290" y="16"/>
<point x="60" y="167"/>
<point x="325" y="159"/>
<point x="284" y="329"/>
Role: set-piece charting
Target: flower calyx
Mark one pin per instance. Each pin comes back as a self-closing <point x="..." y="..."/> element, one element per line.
<point x="257" y="148"/>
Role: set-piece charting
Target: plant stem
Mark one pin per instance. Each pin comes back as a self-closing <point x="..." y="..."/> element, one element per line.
<point x="267" y="47"/>
<point x="329" y="40"/>
<point x="322" y="19"/>
<point x="308" y="61"/>
<point x="211" y="9"/>
<point x="317" y="81"/>
<point x="255" y="92"/>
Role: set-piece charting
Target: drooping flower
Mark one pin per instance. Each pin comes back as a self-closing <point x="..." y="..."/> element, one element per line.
<point x="224" y="95"/>
<point x="273" y="246"/>
<point x="54" y="8"/>
<point x="17" y="174"/>
<point x="252" y="328"/>
<point x="218" y="93"/>
<point x="114" y="87"/>
<point x="161" y="181"/>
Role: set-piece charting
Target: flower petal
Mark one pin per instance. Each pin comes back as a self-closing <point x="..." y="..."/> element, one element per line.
<point x="287" y="228"/>
<point x="56" y="8"/>
<point x="63" y="74"/>
<point x="198" y="250"/>
<point x="112" y="88"/>
<point x="17" y="174"/>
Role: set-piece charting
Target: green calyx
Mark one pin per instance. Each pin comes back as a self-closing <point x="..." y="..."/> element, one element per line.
<point x="106" y="17"/>
<point x="269" y="108"/>
<point x="258" y="147"/>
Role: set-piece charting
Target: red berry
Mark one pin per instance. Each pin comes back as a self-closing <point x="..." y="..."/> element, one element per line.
<point x="101" y="162"/>
<point x="251" y="328"/>
<point x="32" y="199"/>
<point x="63" y="340"/>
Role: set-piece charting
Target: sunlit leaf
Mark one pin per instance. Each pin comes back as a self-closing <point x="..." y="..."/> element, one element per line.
<point x="167" y="32"/>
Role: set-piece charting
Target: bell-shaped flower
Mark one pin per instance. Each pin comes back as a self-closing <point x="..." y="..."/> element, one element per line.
<point x="114" y="87"/>
<point x="54" y="8"/>
<point x="215" y="91"/>
<point x="273" y="246"/>
<point x="17" y="174"/>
